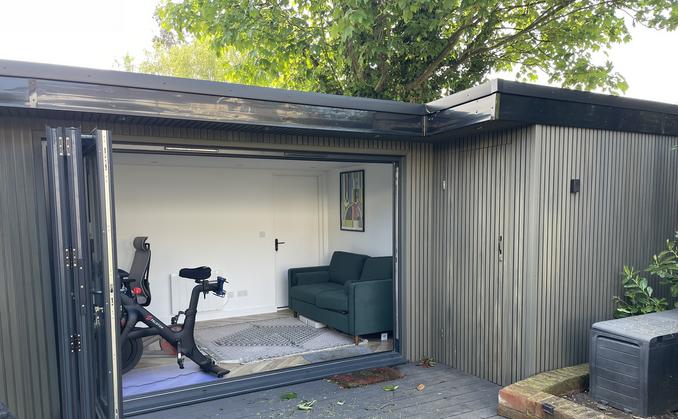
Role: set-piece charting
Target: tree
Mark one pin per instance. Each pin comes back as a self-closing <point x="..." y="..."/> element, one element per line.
<point x="416" y="50"/>
<point x="197" y="60"/>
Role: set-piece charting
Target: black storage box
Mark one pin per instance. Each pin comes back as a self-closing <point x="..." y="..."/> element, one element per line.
<point x="634" y="363"/>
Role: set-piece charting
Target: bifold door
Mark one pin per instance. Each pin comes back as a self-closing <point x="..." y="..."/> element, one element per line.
<point x="85" y="271"/>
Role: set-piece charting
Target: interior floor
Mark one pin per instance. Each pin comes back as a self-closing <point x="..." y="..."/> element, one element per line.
<point x="158" y="370"/>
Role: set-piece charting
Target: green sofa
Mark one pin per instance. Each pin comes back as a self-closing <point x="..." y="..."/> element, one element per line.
<point x="354" y="294"/>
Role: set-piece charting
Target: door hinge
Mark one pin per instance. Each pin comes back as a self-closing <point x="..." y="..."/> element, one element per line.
<point x="75" y="343"/>
<point x="68" y="144"/>
<point x="60" y="146"/>
<point x="65" y="146"/>
<point x="70" y="259"/>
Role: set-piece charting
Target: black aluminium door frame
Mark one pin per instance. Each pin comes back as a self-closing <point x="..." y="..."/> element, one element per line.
<point x="86" y="290"/>
<point x="166" y="399"/>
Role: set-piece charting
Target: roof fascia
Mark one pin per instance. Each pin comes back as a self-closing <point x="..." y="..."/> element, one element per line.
<point x="175" y="84"/>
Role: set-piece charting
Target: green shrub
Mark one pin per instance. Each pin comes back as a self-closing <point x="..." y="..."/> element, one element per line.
<point x="638" y="297"/>
<point x="665" y="266"/>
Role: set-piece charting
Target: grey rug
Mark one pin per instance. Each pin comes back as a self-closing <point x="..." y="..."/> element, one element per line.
<point x="267" y="339"/>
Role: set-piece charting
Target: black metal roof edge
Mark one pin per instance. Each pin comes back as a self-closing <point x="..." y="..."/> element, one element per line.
<point x="465" y="96"/>
<point x="55" y="72"/>
<point x="579" y="103"/>
<point x="548" y="92"/>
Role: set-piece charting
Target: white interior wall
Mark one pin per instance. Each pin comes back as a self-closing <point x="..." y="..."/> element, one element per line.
<point x="196" y="216"/>
<point x="377" y="239"/>
<point x="205" y="214"/>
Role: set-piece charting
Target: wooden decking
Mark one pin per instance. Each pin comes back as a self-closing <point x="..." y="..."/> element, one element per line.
<point x="449" y="393"/>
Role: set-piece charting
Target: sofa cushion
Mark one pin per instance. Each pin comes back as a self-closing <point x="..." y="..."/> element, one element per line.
<point x="346" y="267"/>
<point x="308" y="293"/>
<point x="332" y="300"/>
<point x="377" y="268"/>
<point x="311" y="277"/>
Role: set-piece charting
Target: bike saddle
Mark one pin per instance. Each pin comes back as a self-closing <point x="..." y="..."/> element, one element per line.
<point x="197" y="274"/>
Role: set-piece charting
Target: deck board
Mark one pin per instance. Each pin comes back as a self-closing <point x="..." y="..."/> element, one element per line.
<point x="449" y="393"/>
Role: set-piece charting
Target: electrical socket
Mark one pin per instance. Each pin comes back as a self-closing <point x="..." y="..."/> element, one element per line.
<point x="242" y="293"/>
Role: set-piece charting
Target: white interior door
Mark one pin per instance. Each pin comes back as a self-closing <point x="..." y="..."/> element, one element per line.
<point x="297" y="229"/>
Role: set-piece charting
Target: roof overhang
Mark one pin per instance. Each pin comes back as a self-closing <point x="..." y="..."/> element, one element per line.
<point x="501" y="103"/>
<point x="59" y="88"/>
<point x="493" y="105"/>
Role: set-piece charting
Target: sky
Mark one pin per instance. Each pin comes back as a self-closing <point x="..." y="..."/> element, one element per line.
<point x="96" y="33"/>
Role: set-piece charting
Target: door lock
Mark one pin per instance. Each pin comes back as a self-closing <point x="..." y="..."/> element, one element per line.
<point x="97" y="317"/>
<point x="278" y="243"/>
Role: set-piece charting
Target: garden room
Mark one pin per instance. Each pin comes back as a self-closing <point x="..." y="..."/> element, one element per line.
<point x="298" y="252"/>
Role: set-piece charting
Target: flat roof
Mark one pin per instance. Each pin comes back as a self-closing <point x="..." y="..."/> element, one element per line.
<point x="495" y="104"/>
<point x="548" y="92"/>
<point x="177" y="84"/>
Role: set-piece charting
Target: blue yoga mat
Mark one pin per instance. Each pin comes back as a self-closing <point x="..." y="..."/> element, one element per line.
<point x="147" y="380"/>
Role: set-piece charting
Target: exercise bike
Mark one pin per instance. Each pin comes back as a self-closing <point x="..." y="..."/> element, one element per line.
<point x="135" y="295"/>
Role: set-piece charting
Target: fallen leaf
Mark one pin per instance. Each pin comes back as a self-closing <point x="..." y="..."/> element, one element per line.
<point x="421" y="387"/>
<point x="289" y="396"/>
<point x="426" y="362"/>
<point x="306" y="405"/>
<point x="390" y="388"/>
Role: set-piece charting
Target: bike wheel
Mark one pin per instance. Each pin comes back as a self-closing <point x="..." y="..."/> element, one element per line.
<point x="132" y="349"/>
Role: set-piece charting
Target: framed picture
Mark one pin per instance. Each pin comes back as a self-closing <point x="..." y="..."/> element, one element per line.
<point x="352" y="200"/>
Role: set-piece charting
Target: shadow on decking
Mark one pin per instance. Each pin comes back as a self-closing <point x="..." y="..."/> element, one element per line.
<point x="448" y="393"/>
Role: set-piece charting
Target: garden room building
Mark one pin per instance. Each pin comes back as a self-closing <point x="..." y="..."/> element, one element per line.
<point x="485" y="230"/>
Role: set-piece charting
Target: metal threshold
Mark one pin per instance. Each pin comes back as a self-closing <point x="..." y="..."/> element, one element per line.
<point x="230" y="387"/>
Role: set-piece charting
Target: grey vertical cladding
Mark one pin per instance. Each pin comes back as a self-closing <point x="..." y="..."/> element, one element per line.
<point x="562" y="252"/>
<point x="498" y="319"/>
<point x="626" y="210"/>
<point x="28" y="369"/>
<point x="28" y="380"/>
<point x="479" y="224"/>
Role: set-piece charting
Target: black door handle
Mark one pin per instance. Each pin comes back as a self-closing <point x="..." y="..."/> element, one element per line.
<point x="278" y="243"/>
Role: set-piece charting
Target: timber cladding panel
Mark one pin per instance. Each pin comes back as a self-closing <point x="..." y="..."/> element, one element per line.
<point x="626" y="210"/>
<point x="504" y="269"/>
<point x="28" y="365"/>
<point x="28" y="373"/>
<point x="506" y="316"/>
<point x="480" y="217"/>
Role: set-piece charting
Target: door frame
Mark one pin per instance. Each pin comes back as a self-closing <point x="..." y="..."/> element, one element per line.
<point x="65" y="183"/>
<point x="322" y="239"/>
<point x="166" y="399"/>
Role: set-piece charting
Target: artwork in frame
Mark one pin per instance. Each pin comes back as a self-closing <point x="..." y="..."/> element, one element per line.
<point x="352" y="200"/>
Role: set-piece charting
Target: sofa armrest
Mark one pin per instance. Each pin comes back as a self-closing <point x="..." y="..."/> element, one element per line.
<point x="309" y="275"/>
<point x="370" y="306"/>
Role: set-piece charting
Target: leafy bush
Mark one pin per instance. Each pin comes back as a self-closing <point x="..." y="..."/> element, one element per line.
<point x="638" y="297"/>
<point x="665" y="266"/>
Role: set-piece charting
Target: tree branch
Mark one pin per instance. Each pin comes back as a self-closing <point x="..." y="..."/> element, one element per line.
<point x="438" y="60"/>
<point x="379" y="34"/>
<point x="542" y="20"/>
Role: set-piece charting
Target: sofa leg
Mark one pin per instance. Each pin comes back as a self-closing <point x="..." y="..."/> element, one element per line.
<point x="356" y="340"/>
<point x="295" y="314"/>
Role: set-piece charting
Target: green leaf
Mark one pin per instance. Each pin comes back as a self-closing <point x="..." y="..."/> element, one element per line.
<point x="289" y="396"/>
<point x="348" y="42"/>
<point x="306" y="405"/>
<point x="390" y="387"/>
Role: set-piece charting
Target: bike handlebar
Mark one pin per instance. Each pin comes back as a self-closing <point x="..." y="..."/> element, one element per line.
<point x="220" y="286"/>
